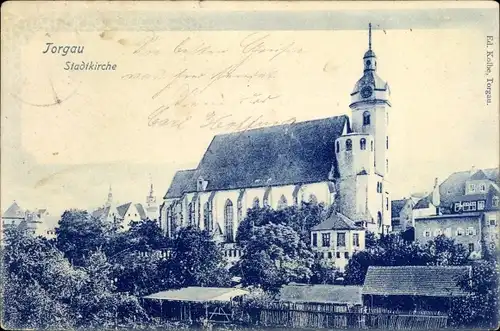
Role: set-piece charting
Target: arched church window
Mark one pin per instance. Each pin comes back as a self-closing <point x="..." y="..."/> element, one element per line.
<point x="256" y="203"/>
<point x="366" y="118"/>
<point x="313" y="199"/>
<point x="387" y="165"/>
<point x="191" y="214"/>
<point x="368" y="62"/>
<point x="228" y="220"/>
<point x="362" y="144"/>
<point x="206" y="216"/>
<point x="337" y="146"/>
<point x="387" y="142"/>
<point x="379" y="219"/>
<point x="348" y="144"/>
<point x="371" y="145"/>
<point x="282" y="203"/>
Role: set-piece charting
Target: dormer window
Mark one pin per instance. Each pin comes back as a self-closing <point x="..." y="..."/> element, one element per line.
<point x="366" y="118"/>
<point x="201" y="185"/>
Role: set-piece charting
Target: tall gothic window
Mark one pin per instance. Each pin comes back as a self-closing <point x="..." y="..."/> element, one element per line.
<point x="191" y="213"/>
<point x="228" y="221"/>
<point x="206" y="216"/>
<point x="366" y="118"/>
<point x="387" y="142"/>
<point x="371" y="145"/>
<point x="379" y="219"/>
<point x="337" y="145"/>
<point x="256" y="203"/>
<point x="362" y="144"/>
<point x="348" y="144"/>
<point x="282" y="203"/>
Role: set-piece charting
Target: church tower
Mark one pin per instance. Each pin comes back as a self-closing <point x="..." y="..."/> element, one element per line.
<point x="363" y="154"/>
<point x="152" y="210"/>
<point x="110" y="197"/>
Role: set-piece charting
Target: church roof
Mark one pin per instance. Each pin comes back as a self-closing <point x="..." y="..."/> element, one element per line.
<point x="14" y="211"/>
<point x="182" y="182"/>
<point x="277" y="155"/>
<point x="101" y="212"/>
<point x="336" y="221"/>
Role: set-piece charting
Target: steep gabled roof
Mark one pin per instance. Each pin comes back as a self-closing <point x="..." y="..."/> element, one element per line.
<point x="337" y="294"/>
<point x="423" y="203"/>
<point x="478" y="175"/>
<point x="101" y="213"/>
<point x="454" y="185"/>
<point x="397" y="206"/>
<point x="122" y="210"/>
<point x="141" y="211"/>
<point x="277" y="155"/>
<point x="336" y="221"/>
<point x="14" y="211"/>
<point x="432" y="281"/>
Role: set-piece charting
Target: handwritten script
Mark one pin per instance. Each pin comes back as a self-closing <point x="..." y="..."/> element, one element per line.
<point x="190" y="95"/>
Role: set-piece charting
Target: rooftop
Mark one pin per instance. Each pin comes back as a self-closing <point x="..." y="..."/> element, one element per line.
<point x="199" y="294"/>
<point x="321" y="294"/>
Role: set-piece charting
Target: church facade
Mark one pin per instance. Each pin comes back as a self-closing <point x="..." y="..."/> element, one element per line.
<point x="342" y="160"/>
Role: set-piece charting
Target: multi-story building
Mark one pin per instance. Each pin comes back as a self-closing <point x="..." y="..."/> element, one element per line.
<point x="336" y="239"/>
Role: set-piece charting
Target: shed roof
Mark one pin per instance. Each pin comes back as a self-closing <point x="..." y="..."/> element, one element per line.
<point x="321" y="294"/>
<point x="432" y="281"/>
<point x="199" y="294"/>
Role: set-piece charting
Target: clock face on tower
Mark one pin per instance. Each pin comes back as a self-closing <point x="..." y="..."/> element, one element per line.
<point x="366" y="91"/>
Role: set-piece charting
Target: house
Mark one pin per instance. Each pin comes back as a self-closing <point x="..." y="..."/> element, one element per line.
<point x="342" y="160"/>
<point x="470" y="211"/>
<point x="38" y="222"/>
<point x="336" y="239"/>
<point x="413" y="288"/>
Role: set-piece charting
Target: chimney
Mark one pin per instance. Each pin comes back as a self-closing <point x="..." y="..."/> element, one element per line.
<point x="436" y="197"/>
<point x="472" y="170"/>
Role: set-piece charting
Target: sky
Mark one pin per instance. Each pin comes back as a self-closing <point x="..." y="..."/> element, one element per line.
<point x="172" y="91"/>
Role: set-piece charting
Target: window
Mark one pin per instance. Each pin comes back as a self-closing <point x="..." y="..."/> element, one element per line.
<point x="341" y="239"/>
<point x="482" y="188"/>
<point x="191" y="214"/>
<point x="458" y="206"/>
<point x="348" y="145"/>
<point x="460" y="232"/>
<point x="466" y="206"/>
<point x="371" y="145"/>
<point x="206" y="216"/>
<point x="362" y="144"/>
<point x="325" y="238"/>
<point x="470" y="231"/>
<point x="473" y="205"/>
<point x="472" y="187"/>
<point x="355" y="239"/>
<point x="315" y="240"/>
<point x="386" y="165"/>
<point x="346" y="255"/>
<point x="366" y="118"/>
<point x="282" y="203"/>
<point x="447" y="232"/>
<point x="386" y="203"/>
<point x="338" y="255"/>
<point x="337" y="146"/>
<point x="228" y="220"/>
<point x="480" y="205"/>
<point x="493" y="221"/>
<point x="427" y="233"/>
<point x="495" y="201"/>
<point x="330" y="255"/>
<point x="471" y="247"/>
<point x="256" y="202"/>
<point x="387" y="142"/>
<point x="379" y="219"/>
<point x="438" y="232"/>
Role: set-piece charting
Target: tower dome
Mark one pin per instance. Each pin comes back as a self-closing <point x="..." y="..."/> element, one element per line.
<point x="370" y="88"/>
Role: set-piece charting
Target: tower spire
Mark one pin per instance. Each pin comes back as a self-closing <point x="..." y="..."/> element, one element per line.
<point x="110" y="197"/>
<point x="370" y="36"/>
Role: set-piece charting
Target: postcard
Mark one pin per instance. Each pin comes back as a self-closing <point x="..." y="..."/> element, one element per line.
<point x="250" y="165"/>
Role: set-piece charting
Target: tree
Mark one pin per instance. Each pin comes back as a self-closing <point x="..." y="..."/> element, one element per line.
<point x="79" y="235"/>
<point x="274" y="255"/>
<point x="323" y="272"/>
<point x="300" y="219"/>
<point x="196" y="260"/>
<point x="444" y="251"/>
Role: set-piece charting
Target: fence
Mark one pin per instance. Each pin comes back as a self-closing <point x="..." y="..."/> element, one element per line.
<point x="331" y="316"/>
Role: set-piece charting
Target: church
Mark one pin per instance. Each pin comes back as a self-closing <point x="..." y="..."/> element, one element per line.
<point x="342" y="160"/>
